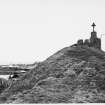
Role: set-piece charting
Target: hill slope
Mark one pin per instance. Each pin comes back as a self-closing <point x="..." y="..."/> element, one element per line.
<point x="73" y="74"/>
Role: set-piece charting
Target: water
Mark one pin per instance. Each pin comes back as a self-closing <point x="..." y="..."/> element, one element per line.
<point x="4" y="76"/>
<point x="7" y="76"/>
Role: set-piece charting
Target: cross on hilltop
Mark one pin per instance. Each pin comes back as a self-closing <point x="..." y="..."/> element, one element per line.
<point x="93" y="25"/>
<point x="93" y="41"/>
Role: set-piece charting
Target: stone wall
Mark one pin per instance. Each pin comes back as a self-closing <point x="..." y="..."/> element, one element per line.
<point x="92" y="42"/>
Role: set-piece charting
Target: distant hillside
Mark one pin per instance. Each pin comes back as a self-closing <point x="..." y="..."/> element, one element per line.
<point x="72" y="75"/>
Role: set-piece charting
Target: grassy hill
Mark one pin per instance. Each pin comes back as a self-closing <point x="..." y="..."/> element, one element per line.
<point x="72" y="75"/>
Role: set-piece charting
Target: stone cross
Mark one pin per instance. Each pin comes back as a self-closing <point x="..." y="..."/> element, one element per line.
<point x="93" y="25"/>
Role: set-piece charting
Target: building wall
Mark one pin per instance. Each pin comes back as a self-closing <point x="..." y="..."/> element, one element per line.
<point x="92" y="42"/>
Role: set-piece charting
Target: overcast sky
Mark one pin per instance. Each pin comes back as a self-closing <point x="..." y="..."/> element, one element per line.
<point x="32" y="30"/>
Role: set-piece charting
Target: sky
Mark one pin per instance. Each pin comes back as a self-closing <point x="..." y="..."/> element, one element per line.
<point x="33" y="30"/>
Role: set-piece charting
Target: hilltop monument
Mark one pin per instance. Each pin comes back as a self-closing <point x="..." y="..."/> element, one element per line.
<point x="94" y="41"/>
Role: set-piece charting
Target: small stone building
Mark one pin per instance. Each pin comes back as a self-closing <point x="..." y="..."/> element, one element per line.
<point x="94" y="41"/>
